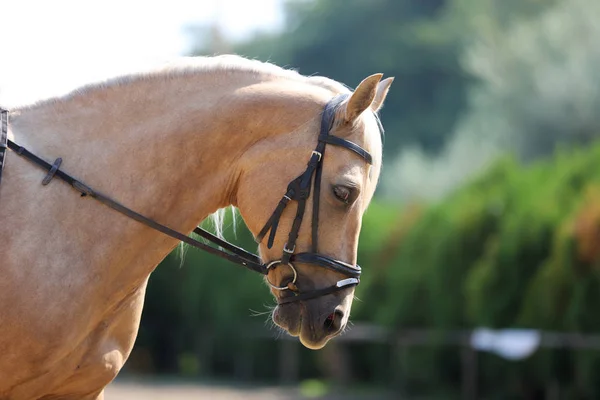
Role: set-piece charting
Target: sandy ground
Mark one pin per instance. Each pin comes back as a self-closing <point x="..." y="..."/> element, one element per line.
<point x="171" y="391"/>
<point x="145" y="391"/>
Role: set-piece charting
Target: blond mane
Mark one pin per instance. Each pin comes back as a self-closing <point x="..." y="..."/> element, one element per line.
<point x="185" y="67"/>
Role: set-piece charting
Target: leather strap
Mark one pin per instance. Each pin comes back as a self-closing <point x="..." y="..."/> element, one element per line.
<point x="352" y="271"/>
<point x="298" y="190"/>
<point x="228" y="246"/>
<point x="23" y="152"/>
<point x="338" y="141"/>
<point x="316" y="200"/>
<point x="273" y="221"/>
<point x="3" y="138"/>
<point x="303" y="296"/>
<point x="52" y="171"/>
<point x="303" y="193"/>
<point x="240" y="257"/>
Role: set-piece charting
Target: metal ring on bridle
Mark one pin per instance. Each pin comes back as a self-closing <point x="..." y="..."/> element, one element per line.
<point x="289" y="264"/>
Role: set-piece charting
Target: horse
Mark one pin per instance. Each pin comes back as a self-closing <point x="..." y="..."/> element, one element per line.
<point x="175" y="144"/>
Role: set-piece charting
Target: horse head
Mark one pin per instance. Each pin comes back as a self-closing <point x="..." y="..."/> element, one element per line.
<point x="344" y="187"/>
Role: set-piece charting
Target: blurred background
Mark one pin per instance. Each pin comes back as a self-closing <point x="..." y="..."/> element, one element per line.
<point x="481" y="250"/>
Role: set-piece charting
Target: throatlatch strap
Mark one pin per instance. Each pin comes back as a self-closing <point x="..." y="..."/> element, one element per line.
<point x="273" y="221"/>
<point x="299" y="190"/>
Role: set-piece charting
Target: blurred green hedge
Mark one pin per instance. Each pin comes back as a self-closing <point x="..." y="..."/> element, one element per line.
<point x="517" y="247"/>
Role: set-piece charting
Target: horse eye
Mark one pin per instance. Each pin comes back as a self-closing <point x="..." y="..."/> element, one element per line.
<point x="342" y="193"/>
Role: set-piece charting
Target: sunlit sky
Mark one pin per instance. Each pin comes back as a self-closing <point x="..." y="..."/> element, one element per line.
<point x="49" y="47"/>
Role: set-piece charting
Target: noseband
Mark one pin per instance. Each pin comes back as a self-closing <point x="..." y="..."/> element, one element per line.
<point x="298" y="190"/>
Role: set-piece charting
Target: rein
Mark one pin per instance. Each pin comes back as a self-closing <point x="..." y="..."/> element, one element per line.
<point x="298" y="190"/>
<point x="3" y="138"/>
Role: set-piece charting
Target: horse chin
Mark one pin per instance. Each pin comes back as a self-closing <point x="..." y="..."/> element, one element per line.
<point x="290" y="322"/>
<point x="289" y="318"/>
<point x="309" y="344"/>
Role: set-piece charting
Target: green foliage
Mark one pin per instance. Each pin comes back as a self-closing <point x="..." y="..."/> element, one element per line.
<point x="518" y="247"/>
<point x="348" y="40"/>
<point x="534" y="66"/>
<point x="201" y="302"/>
<point x="540" y="78"/>
<point x="313" y="388"/>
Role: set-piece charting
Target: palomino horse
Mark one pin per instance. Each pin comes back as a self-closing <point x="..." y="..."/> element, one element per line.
<point x="174" y="145"/>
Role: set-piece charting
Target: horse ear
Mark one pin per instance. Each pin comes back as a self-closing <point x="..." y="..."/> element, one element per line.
<point x="382" y="90"/>
<point x="363" y="96"/>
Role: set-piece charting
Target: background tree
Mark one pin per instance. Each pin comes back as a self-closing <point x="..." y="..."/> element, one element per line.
<point x="510" y="240"/>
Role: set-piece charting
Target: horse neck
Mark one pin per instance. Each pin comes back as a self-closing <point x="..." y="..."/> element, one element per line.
<point x="167" y="149"/>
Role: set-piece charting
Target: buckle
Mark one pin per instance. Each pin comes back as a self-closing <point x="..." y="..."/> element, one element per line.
<point x="317" y="154"/>
<point x="289" y="251"/>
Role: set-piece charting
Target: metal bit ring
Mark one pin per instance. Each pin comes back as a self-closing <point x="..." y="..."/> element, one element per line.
<point x="289" y="264"/>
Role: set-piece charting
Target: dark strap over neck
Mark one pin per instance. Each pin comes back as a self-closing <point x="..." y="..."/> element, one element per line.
<point x="3" y="138"/>
<point x="234" y="254"/>
<point x="298" y="190"/>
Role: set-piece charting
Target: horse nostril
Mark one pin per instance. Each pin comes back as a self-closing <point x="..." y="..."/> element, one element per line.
<point x="333" y="322"/>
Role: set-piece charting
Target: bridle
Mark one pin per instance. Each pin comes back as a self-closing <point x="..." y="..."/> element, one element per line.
<point x="298" y="190"/>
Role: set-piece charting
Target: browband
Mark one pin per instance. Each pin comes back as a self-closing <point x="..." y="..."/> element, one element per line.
<point x="338" y="141"/>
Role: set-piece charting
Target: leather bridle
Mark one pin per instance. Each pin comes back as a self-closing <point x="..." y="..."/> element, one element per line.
<point x="298" y="190"/>
<point x="3" y="138"/>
